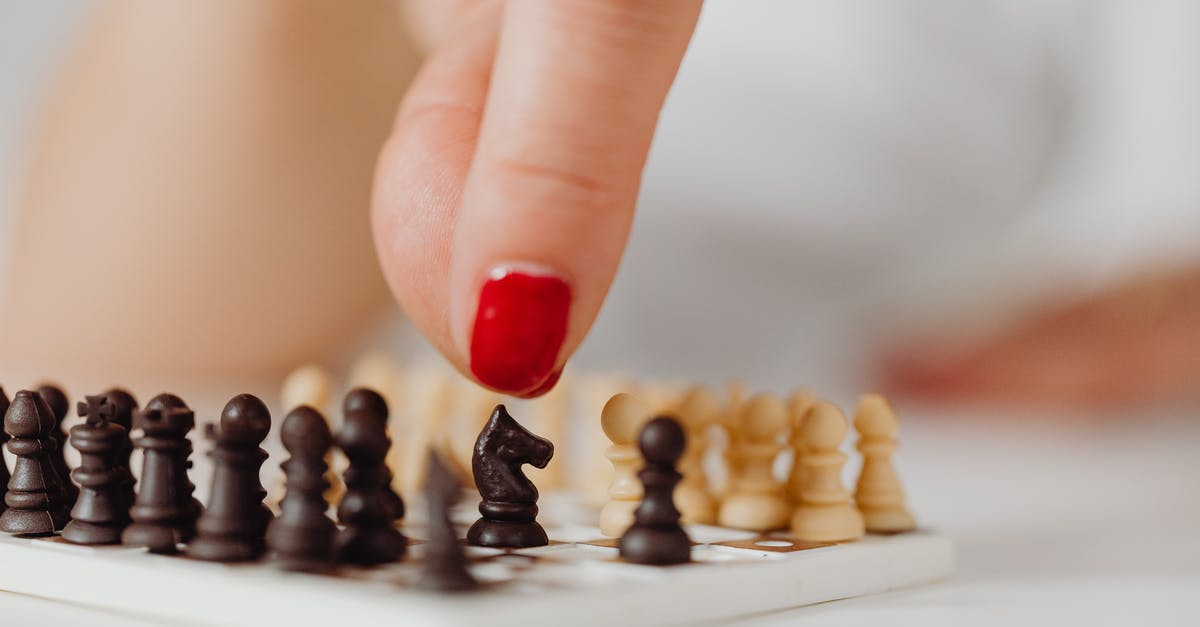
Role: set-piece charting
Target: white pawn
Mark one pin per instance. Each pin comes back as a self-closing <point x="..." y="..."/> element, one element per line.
<point x="879" y="495"/>
<point x="307" y="385"/>
<point x="798" y="405"/>
<point x="698" y="409"/>
<point x="756" y="500"/>
<point x="622" y="417"/>
<point x="825" y="513"/>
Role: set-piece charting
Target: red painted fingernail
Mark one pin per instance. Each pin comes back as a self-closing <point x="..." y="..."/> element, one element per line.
<point x="519" y="328"/>
<point x="544" y="387"/>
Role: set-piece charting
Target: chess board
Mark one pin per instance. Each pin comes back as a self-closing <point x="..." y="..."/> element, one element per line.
<point x="576" y="580"/>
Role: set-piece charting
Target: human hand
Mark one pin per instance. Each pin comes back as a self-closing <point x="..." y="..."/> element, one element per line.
<point x="1134" y="345"/>
<point x="505" y="194"/>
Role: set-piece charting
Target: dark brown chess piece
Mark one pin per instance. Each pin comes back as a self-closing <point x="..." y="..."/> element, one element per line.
<point x="102" y="510"/>
<point x="301" y="537"/>
<point x="4" y="475"/>
<point x="35" y="496"/>
<point x="233" y="527"/>
<point x="368" y="536"/>
<point x="656" y="537"/>
<point x="164" y="512"/>
<point x="123" y="407"/>
<point x="445" y="567"/>
<point x="373" y="403"/>
<point x="509" y="506"/>
<point x="60" y="406"/>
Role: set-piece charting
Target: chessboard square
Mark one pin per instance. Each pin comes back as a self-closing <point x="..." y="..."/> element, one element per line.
<point x="580" y="553"/>
<point x="572" y="533"/>
<point x="773" y="544"/>
<point x="709" y="534"/>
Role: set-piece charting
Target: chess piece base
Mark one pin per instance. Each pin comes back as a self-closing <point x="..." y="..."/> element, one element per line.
<point x="32" y="523"/>
<point x="617" y="516"/>
<point x="80" y="532"/>
<point x="888" y="520"/>
<point x="159" y="539"/>
<point x="656" y="546"/>
<point x="224" y="549"/>
<point x="507" y="535"/>
<point x="370" y="547"/>
<point x="828" y="523"/>
<point x="754" y="512"/>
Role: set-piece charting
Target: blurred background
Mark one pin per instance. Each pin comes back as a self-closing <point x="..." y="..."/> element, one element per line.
<point x="989" y="209"/>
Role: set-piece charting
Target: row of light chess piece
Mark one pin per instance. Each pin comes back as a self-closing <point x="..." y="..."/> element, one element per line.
<point x="811" y="500"/>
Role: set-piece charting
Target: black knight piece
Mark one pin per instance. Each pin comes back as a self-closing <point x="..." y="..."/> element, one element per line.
<point x="445" y="567"/>
<point x="368" y="536"/>
<point x="301" y="537"/>
<point x="35" y="498"/>
<point x="371" y="402"/>
<point x="164" y="512"/>
<point x="4" y="476"/>
<point x="509" y="505"/>
<point x="656" y="537"/>
<point x="60" y="406"/>
<point x="102" y="510"/>
<point x="233" y="527"/>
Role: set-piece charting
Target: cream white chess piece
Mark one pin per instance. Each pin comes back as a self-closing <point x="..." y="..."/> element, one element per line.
<point x="798" y="405"/>
<point x="698" y="410"/>
<point x="429" y="398"/>
<point x="825" y="513"/>
<point x="307" y="385"/>
<point x="756" y="500"/>
<point x="594" y="473"/>
<point x="878" y="494"/>
<point x="621" y="419"/>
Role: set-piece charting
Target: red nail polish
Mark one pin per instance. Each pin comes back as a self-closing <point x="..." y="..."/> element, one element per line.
<point x="519" y="328"/>
<point x="544" y="387"/>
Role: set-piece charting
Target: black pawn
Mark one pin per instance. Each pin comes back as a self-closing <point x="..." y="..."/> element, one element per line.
<point x="509" y="506"/>
<point x="233" y="527"/>
<point x="301" y="537"/>
<point x="124" y="405"/>
<point x="164" y="512"/>
<point x="60" y="406"/>
<point x="371" y="402"/>
<point x="102" y="510"/>
<point x="368" y="536"/>
<point x="445" y="562"/>
<point x="36" y="505"/>
<point x="4" y="475"/>
<point x="656" y="537"/>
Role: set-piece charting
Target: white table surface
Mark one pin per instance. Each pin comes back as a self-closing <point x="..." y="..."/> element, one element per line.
<point x="1058" y="521"/>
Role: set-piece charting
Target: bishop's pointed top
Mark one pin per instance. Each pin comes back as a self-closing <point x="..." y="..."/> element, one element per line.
<point x="29" y="416"/>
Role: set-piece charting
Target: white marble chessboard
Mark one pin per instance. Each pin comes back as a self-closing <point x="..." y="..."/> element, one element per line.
<point x="577" y="579"/>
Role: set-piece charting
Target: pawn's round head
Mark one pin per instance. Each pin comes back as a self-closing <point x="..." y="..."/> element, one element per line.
<point x="29" y="416"/>
<point x="123" y="406"/>
<point x="764" y="417"/>
<point x="305" y="432"/>
<point x="56" y="399"/>
<point x="621" y="417"/>
<point x="874" y="417"/>
<point x="824" y="427"/>
<point x="365" y="400"/>
<point x="798" y="405"/>
<point x="699" y="408"/>
<point x="362" y="438"/>
<point x="662" y="441"/>
<point x="246" y="418"/>
<point x="166" y="400"/>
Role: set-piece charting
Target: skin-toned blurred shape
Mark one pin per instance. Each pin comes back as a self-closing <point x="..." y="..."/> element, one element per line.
<point x="199" y="186"/>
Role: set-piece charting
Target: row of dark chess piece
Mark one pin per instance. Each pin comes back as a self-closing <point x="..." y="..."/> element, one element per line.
<point x="162" y="514"/>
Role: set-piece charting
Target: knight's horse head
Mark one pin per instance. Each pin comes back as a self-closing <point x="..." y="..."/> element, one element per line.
<point x="503" y="446"/>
